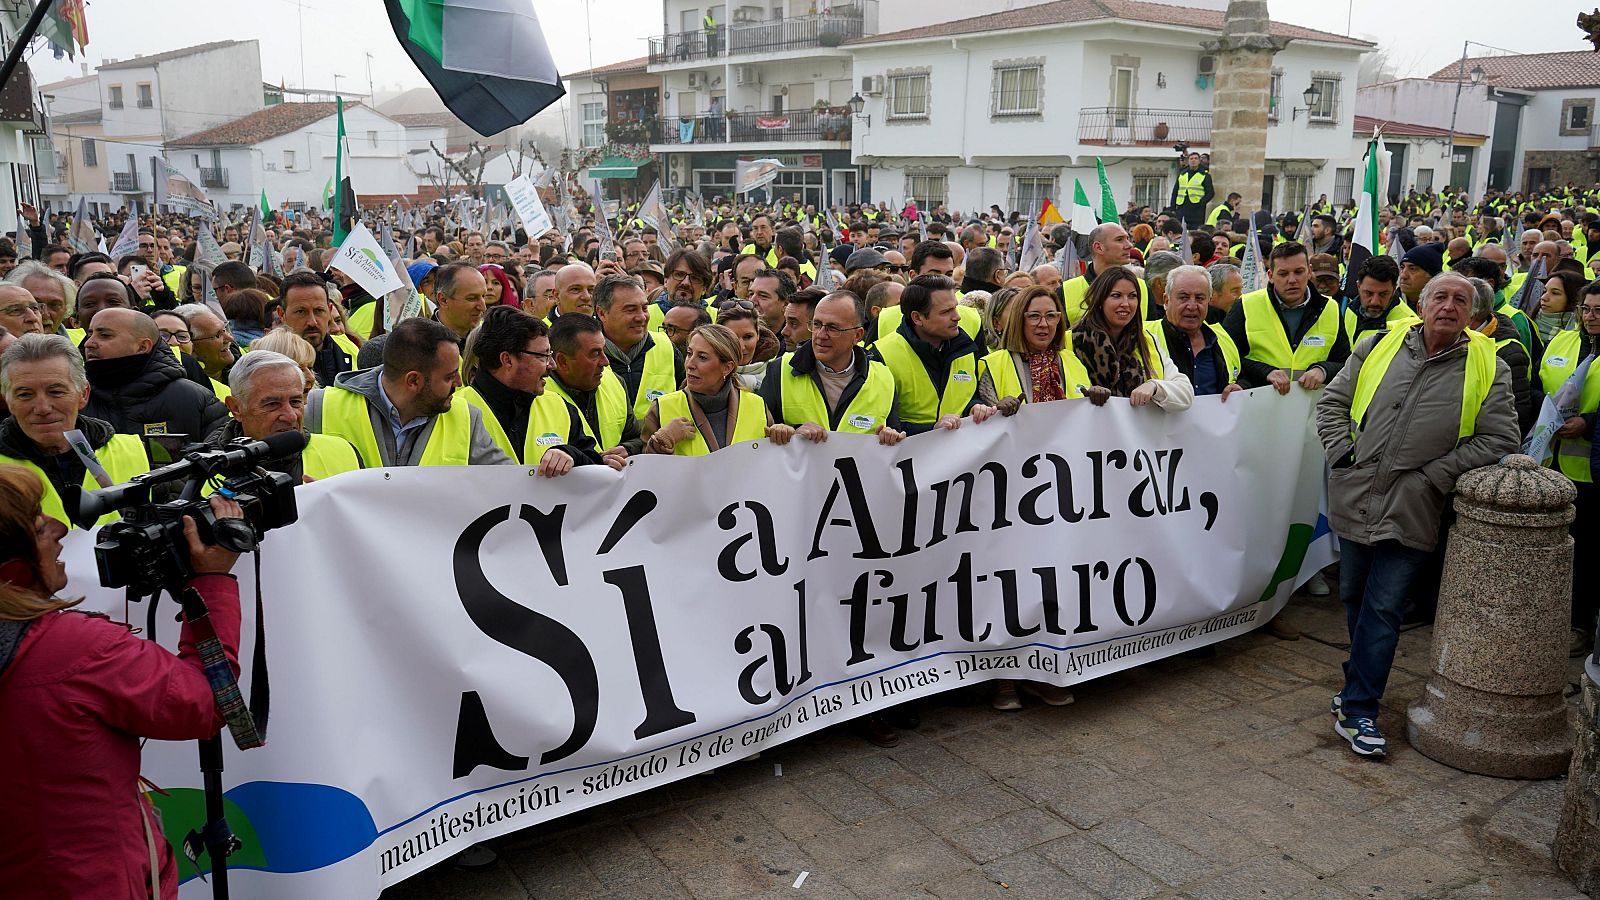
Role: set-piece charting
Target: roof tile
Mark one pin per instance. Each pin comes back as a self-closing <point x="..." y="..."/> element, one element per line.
<point x="274" y="121"/>
<point x="1531" y="71"/>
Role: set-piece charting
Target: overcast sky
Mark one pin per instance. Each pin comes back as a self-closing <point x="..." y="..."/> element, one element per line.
<point x="339" y="33"/>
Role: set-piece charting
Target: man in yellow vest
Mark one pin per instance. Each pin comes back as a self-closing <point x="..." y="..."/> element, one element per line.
<point x="709" y="23"/>
<point x="1287" y="332"/>
<point x="45" y="387"/>
<point x="582" y="376"/>
<point x="1192" y="192"/>
<point x="1109" y="245"/>
<point x="646" y="362"/>
<point x="1415" y="408"/>
<point x="305" y="309"/>
<point x="828" y="383"/>
<point x="761" y="236"/>
<point x="401" y="412"/>
<point x="1203" y="352"/>
<point x="1228" y="208"/>
<point x="534" y="425"/>
<point x="1377" y="302"/>
<point x="934" y="363"/>
<point x="267" y="396"/>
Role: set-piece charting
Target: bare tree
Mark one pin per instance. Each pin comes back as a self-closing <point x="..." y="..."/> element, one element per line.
<point x="468" y="166"/>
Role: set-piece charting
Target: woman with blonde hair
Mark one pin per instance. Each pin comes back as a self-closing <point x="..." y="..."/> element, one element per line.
<point x="1034" y="362"/>
<point x="78" y="694"/>
<point x="712" y="410"/>
<point x="285" y="341"/>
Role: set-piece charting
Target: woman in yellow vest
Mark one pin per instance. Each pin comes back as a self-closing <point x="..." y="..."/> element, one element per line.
<point x="713" y="410"/>
<point x="1117" y="353"/>
<point x="45" y="389"/>
<point x="1574" y="449"/>
<point x="1035" y="362"/>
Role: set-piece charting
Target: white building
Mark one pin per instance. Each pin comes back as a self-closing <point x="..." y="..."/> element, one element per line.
<point x="288" y="151"/>
<point x="1009" y="108"/>
<point x="118" y="118"/>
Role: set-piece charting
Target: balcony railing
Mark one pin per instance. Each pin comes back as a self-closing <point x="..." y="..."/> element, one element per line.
<point x="213" y="178"/>
<point x="826" y="29"/>
<point x="753" y="128"/>
<point x="125" y="182"/>
<point x="1130" y="127"/>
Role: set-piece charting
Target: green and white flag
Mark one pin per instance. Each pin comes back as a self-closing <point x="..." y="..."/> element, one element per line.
<point x="1364" y="242"/>
<point x="1108" y="203"/>
<point x="1083" y="218"/>
<point x="487" y="59"/>
<point x="364" y="260"/>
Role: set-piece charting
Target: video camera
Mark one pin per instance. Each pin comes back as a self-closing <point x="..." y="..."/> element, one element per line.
<point x="140" y="550"/>
<point x="1181" y="148"/>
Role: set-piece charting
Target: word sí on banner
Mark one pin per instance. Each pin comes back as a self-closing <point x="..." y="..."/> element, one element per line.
<point x="510" y="649"/>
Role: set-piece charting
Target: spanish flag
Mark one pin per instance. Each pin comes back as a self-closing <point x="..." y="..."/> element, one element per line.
<point x="1049" y="215"/>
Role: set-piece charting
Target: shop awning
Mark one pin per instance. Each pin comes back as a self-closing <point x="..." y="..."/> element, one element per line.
<point x="617" y="167"/>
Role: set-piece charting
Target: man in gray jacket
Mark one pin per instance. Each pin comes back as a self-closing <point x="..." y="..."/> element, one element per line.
<point x="1393" y="427"/>
<point x="401" y="413"/>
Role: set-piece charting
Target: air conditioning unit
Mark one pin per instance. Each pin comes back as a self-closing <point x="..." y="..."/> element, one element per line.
<point x="872" y="85"/>
<point x="1208" y="66"/>
<point x="697" y="79"/>
<point x="680" y="169"/>
<point x="746" y="75"/>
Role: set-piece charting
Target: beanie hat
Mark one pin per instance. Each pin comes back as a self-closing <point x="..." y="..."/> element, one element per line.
<point x="1427" y="257"/>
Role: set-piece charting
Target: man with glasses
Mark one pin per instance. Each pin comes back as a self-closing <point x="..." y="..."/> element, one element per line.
<point x="20" y="313"/>
<point x="532" y="425"/>
<point x="680" y="322"/>
<point x="582" y="375"/>
<point x="634" y="253"/>
<point x="688" y="281"/>
<point x="828" y="384"/>
<point x="497" y="252"/>
<point x="212" y="344"/>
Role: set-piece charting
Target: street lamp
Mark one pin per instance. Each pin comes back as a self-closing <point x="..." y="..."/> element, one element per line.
<point x="857" y="104"/>
<point x="1312" y="96"/>
<point x="1476" y="77"/>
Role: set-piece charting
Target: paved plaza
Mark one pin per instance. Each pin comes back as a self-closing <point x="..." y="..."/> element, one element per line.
<point x="1203" y="778"/>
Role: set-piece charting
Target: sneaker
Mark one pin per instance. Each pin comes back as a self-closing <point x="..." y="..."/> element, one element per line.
<point x="1318" y="586"/>
<point x="1363" y="734"/>
<point x="1005" y="696"/>
<point x="1048" y="694"/>
<point x="1282" y="630"/>
<point x="1337" y="707"/>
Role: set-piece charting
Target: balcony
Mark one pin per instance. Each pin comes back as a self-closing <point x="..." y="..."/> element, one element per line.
<point x="801" y="126"/>
<point x="214" y="178"/>
<point x="1112" y="126"/>
<point x="125" y="182"/>
<point x="829" y="28"/>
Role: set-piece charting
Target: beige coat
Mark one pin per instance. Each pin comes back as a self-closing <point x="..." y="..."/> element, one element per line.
<point x="1407" y="458"/>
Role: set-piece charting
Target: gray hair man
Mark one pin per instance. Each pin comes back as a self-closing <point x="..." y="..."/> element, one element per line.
<point x="1411" y="410"/>
<point x="1202" y="351"/>
<point x="1508" y="346"/>
<point x="267" y="397"/>
<point x="1227" y="286"/>
<point x="56" y="293"/>
<point x="1156" y="268"/>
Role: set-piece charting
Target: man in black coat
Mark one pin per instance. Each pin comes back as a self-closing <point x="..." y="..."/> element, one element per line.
<point x="137" y="385"/>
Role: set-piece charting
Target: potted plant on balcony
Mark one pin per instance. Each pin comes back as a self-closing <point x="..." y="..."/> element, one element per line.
<point x="1161" y="131"/>
<point x="830" y="39"/>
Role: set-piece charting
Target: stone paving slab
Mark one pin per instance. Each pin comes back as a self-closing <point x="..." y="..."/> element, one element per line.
<point x="1188" y="778"/>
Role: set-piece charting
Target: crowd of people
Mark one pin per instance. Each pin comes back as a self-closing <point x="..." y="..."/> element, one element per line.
<point x="739" y="321"/>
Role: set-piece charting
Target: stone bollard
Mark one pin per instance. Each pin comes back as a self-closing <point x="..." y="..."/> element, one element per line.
<point x="1494" y="702"/>
<point x="1577" y="845"/>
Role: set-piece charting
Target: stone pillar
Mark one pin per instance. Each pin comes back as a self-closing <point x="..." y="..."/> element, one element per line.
<point x="1578" y="839"/>
<point x="1493" y="704"/>
<point x="1240" y="101"/>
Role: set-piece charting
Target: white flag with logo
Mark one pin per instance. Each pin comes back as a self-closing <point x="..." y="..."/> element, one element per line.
<point x="753" y="173"/>
<point x="525" y="198"/>
<point x="363" y="259"/>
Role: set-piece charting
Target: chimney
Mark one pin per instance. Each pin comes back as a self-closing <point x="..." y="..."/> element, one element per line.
<point x="84" y="67"/>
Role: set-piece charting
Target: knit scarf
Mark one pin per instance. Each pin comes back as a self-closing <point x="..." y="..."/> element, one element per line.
<point x="1121" y="372"/>
<point x="1044" y="370"/>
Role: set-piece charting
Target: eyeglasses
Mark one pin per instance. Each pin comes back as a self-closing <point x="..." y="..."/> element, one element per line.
<point x="175" y="337"/>
<point x="547" y="357"/>
<point x="739" y="304"/>
<point x="211" y="337"/>
<point x="1589" y="310"/>
<point x="830" y="328"/>
<point x="1042" y="318"/>
<point x="21" y="309"/>
<point x="894" y="268"/>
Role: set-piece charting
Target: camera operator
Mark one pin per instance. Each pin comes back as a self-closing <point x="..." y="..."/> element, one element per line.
<point x="268" y="397"/>
<point x="77" y="695"/>
<point x="45" y="387"/>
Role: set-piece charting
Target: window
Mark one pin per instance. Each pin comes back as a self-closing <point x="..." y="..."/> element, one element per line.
<point x="928" y="187"/>
<point x="372" y="138"/>
<point x="1016" y="91"/>
<point x="594" y="124"/>
<point x="1150" y="190"/>
<point x="146" y="99"/>
<point x="713" y="182"/>
<point x="1122" y="97"/>
<point x="1326" y="109"/>
<point x="288" y="160"/>
<point x="1296" y="191"/>
<point x="114" y="96"/>
<point x="91" y="157"/>
<point x="1275" y="95"/>
<point x="1425" y="181"/>
<point x="1028" y="190"/>
<point x="1576" y="116"/>
<point x="196" y="158"/>
<point x="908" y="96"/>
<point x="1344" y="185"/>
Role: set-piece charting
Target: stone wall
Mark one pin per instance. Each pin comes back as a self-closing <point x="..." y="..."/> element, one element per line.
<point x="1577" y="848"/>
<point x="1564" y="165"/>
<point x="1239" y="124"/>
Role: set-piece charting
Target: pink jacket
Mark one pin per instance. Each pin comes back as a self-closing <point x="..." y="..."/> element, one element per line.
<point x="74" y="702"/>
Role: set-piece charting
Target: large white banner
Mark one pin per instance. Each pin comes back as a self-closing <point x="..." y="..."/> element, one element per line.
<point x="459" y="653"/>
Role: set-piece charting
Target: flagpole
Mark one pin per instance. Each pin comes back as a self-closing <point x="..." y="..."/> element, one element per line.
<point x="24" y="38"/>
